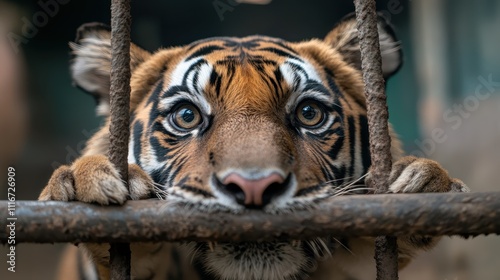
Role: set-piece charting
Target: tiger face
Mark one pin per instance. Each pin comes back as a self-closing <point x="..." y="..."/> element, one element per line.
<point x="266" y="121"/>
<point x="229" y="124"/>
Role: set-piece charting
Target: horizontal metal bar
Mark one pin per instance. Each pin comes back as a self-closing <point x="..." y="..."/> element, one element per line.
<point x="154" y="220"/>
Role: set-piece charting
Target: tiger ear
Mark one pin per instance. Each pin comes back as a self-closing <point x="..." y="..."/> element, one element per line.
<point x="344" y="38"/>
<point x="91" y="63"/>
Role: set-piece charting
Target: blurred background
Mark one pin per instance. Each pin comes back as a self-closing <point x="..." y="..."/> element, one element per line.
<point x="449" y="86"/>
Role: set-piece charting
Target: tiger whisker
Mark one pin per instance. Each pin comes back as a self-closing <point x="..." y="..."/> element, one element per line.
<point x="358" y="179"/>
<point x="313" y="247"/>
<point x="336" y="180"/>
<point x="349" y="183"/>
<point x="158" y="185"/>
<point x="160" y="192"/>
<point x="325" y="247"/>
<point x="349" y="187"/>
<point x="349" y="191"/>
<point x="193" y="253"/>
<point x="345" y="247"/>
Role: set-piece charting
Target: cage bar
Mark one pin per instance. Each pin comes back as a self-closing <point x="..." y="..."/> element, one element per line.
<point x="465" y="214"/>
<point x="386" y="247"/>
<point x="119" y="253"/>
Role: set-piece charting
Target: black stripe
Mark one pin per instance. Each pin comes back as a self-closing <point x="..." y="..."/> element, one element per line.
<point x="258" y="59"/>
<point x="174" y="90"/>
<point x="334" y="150"/>
<point x="327" y="173"/>
<point x="309" y="190"/>
<point x="195" y="81"/>
<point x="298" y="68"/>
<point x="339" y="173"/>
<point x="352" y="142"/>
<point x="278" y="42"/>
<point x="195" y="190"/>
<point x="176" y="165"/>
<point x="281" y="44"/>
<point x="270" y="82"/>
<point x="230" y="74"/>
<point x="154" y="96"/>
<point x="278" y="76"/>
<point x="204" y="51"/>
<point x="334" y="88"/>
<point x="159" y="177"/>
<point x="280" y="53"/>
<point x="312" y="85"/>
<point x="276" y="86"/>
<point x="215" y="79"/>
<point x="159" y="150"/>
<point x="365" y="142"/>
<point x="137" y="133"/>
<point x="192" y="67"/>
<point x="183" y="180"/>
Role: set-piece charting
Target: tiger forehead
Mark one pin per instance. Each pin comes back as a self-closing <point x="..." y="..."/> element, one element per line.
<point x="248" y="49"/>
<point x="252" y="72"/>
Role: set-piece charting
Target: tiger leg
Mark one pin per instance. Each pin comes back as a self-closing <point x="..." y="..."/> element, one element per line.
<point x="94" y="179"/>
<point x="419" y="175"/>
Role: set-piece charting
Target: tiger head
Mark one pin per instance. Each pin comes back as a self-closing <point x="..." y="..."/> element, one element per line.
<point x="228" y="124"/>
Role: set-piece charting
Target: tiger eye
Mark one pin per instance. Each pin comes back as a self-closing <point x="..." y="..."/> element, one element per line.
<point x="187" y="117"/>
<point x="309" y="114"/>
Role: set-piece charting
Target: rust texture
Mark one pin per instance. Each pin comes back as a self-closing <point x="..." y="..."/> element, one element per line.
<point x="120" y="85"/>
<point x="378" y="115"/>
<point x="120" y="117"/>
<point x="386" y="251"/>
<point x="156" y="220"/>
<point x="386" y="257"/>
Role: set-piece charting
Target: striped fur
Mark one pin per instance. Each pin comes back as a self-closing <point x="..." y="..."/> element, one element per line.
<point x="247" y="96"/>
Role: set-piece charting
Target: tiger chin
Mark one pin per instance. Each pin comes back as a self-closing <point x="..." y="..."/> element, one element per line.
<point x="231" y="124"/>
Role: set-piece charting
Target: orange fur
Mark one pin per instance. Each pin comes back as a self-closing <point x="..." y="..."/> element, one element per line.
<point x="251" y="125"/>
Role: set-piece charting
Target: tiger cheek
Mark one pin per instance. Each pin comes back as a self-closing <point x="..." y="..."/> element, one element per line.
<point x="196" y="172"/>
<point x="308" y="169"/>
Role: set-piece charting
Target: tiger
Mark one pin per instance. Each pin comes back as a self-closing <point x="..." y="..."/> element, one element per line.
<point x="229" y="124"/>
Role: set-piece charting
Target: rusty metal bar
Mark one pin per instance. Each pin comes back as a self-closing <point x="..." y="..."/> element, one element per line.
<point x="154" y="220"/>
<point x="386" y="251"/>
<point x="119" y="125"/>
<point x="377" y="113"/>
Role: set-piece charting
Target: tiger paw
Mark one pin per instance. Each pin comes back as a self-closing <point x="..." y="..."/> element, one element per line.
<point x="94" y="179"/>
<point x="419" y="175"/>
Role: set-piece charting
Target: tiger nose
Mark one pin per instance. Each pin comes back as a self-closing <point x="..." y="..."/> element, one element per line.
<point x="254" y="192"/>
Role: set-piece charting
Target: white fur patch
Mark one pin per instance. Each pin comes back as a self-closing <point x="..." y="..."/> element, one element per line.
<point x="131" y="157"/>
<point x="411" y="180"/>
<point x="196" y="91"/>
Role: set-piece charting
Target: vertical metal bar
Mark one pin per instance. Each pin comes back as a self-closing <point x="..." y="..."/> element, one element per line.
<point x="386" y="257"/>
<point x="119" y="127"/>
<point x="386" y="252"/>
